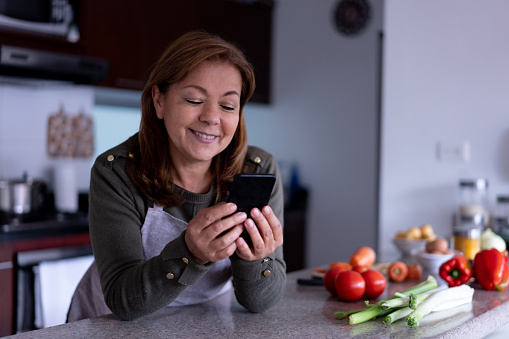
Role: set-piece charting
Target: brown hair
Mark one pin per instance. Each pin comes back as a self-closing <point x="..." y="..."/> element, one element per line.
<point x="150" y="166"/>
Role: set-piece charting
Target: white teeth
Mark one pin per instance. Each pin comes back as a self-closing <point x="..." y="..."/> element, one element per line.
<point x="205" y="136"/>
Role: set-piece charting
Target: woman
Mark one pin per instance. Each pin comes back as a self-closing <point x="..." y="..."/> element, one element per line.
<point x="157" y="210"/>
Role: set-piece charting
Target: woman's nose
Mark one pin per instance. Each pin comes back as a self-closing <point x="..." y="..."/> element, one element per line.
<point x="210" y="114"/>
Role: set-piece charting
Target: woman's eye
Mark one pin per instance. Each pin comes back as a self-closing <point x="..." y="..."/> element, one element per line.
<point x="228" y="108"/>
<point x="193" y="102"/>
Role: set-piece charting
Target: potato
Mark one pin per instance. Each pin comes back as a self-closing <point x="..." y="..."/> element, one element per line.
<point x="413" y="233"/>
<point x="427" y="231"/>
<point x="401" y="235"/>
<point x="439" y="245"/>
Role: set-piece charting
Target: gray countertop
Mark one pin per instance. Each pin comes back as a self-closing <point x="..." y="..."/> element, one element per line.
<point x="305" y="311"/>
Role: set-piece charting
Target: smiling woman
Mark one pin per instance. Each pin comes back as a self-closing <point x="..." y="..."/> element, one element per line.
<point x="201" y="114"/>
<point x="161" y="230"/>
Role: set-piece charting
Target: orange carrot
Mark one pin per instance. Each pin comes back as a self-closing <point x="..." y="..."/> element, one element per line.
<point x="340" y="264"/>
<point x="364" y="256"/>
<point x="397" y="271"/>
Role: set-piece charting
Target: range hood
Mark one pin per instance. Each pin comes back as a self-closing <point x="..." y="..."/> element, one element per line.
<point x="26" y="63"/>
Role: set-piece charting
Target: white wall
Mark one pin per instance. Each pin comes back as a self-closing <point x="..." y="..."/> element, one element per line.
<point x="24" y="113"/>
<point x="446" y="78"/>
<point x="323" y="117"/>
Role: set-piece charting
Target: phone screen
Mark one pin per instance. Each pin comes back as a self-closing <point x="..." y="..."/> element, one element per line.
<point x="249" y="191"/>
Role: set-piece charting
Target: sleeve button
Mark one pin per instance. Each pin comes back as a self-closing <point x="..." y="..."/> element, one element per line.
<point x="170" y="276"/>
<point x="111" y="157"/>
<point x="185" y="260"/>
<point x="267" y="273"/>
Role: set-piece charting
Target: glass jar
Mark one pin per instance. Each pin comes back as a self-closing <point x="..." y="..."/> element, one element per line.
<point x="474" y="200"/>
<point x="467" y="237"/>
<point x="501" y="215"/>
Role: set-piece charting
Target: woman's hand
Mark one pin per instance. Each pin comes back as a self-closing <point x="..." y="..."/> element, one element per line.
<point x="202" y="233"/>
<point x="266" y="235"/>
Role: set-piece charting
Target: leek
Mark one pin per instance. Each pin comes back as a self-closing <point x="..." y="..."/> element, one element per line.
<point x="377" y="309"/>
<point x="412" y="300"/>
<point x="462" y="292"/>
<point x="398" y="314"/>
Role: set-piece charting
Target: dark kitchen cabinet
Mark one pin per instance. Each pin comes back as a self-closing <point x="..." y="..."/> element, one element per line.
<point x="8" y="252"/>
<point x="132" y="34"/>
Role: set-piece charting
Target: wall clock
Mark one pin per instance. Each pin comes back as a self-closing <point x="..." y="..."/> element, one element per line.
<point x="351" y="16"/>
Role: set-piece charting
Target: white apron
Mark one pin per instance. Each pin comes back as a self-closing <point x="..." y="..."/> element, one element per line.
<point x="158" y="230"/>
<point x="162" y="228"/>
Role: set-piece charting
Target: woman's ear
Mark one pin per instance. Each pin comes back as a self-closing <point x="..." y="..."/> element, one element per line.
<point x="157" y="99"/>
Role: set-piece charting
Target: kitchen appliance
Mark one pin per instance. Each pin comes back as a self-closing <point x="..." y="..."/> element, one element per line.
<point x="27" y="63"/>
<point x="31" y="282"/>
<point x="40" y="240"/>
<point x="54" y="17"/>
<point x="47" y="218"/>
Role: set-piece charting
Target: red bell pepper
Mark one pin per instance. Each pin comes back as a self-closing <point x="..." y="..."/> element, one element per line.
<point x="491" y="269"/>
<point x="456" y="271"/>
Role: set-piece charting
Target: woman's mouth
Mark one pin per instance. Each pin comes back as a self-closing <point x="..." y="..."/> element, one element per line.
<point x="204" y="136"/>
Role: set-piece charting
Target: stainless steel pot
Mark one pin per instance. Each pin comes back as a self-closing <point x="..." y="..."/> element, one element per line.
<point x="22" y="196"/>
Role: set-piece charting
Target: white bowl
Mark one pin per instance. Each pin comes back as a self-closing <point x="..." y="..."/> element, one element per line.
<point x="431" y="263"/>
<point x="409" y="248"/>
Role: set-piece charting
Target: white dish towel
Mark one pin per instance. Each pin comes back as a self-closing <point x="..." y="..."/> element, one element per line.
<point x="55" y="282"/>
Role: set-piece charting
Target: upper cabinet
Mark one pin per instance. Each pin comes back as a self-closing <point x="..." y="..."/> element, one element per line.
<point x="132" y="34"/>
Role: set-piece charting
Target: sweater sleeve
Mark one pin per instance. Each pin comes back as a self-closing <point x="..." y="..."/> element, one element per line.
<point x="260" y="284"/>
<point x="131" y="286"/>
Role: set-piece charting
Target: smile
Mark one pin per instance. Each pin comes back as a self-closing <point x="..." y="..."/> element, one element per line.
<point x="204" y="136"/>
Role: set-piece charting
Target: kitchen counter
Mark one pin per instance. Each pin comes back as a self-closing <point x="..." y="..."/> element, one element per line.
<point x="305" y="311"/>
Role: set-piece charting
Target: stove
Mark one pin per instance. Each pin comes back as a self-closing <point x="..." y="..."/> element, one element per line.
<point x="41" y="221"/>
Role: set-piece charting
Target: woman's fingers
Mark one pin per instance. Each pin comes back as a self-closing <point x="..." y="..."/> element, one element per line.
<point x="266" y="235"/>
<point x="204" y="236"/>
<point x="277" y="229"/>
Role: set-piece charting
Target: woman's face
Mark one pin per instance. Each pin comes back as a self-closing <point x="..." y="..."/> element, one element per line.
<point x="201" y="112"/>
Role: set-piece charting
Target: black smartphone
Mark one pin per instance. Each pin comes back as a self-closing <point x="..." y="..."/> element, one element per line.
<point x="249" y="191"/>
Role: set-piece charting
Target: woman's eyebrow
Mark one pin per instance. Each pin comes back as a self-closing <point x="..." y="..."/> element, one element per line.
<point x="231" y="93"/>
<point x="204" y="91"/>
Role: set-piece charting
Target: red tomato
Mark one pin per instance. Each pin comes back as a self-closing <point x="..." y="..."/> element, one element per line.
<point x="330" y="277"/>
<point x="375" y="283"/>
<point x="350" y="285"/>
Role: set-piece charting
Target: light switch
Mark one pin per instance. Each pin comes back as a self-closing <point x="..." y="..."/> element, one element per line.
<point x="454" y="151"/>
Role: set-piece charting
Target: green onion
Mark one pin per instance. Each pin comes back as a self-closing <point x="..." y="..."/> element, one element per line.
<point x="377" y="309"/>
<point x="367" y="314"/>
<point x="342" y="314"/>
<point x="424" y="286"/>
<point x="398" y="314"/>
<point x="395" y="303"/>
